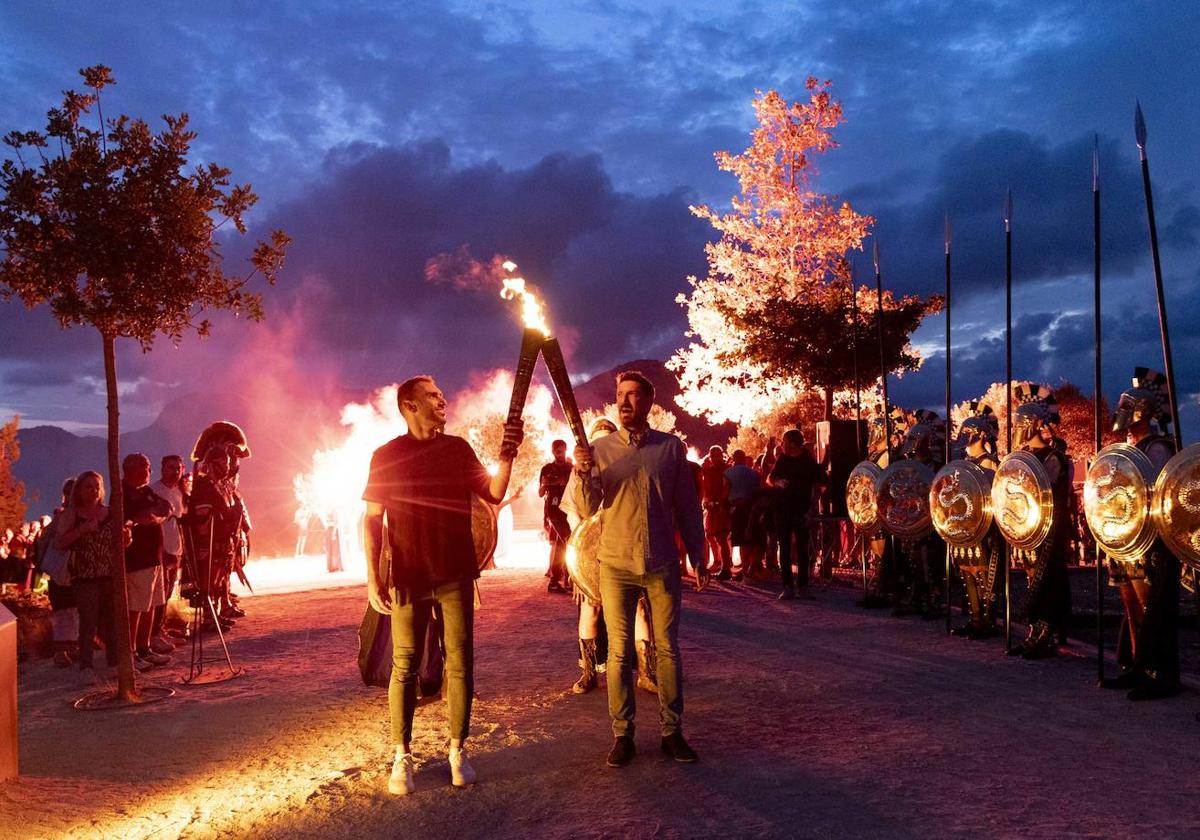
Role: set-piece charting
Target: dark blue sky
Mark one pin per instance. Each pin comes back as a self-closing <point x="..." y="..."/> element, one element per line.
<point x="572" y="136"/>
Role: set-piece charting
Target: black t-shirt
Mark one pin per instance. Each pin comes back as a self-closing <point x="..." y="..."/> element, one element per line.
<point x="146" y="550"/>
<point x="801" y="472"/>
<point x="426" y="486"/>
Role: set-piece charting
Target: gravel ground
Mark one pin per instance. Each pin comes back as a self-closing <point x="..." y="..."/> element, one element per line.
<point x="812" y="719"/>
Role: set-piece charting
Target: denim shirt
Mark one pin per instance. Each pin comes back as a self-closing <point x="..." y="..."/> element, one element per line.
<point x="647" y="493"/>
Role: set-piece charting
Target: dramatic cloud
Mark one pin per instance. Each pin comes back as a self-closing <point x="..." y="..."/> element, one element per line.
<point x="572" y="136"/>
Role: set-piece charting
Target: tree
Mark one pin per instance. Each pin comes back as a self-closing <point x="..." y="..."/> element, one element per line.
<point x="771" y="319"/>
<point x="12" y="492"/>
<point x="107" y="229"/>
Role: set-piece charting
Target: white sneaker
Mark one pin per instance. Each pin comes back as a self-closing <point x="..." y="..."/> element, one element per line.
<point x="461" y="771"/>
<point x="155" y="658"/>
<point x="401" y="782"/>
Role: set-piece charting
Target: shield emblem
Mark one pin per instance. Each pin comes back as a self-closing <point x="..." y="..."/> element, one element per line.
<point x="483" y="531"/>
<point x="583" y="557"/>
<point x="960" y="503"/>
<point x="1175" y="508"/>
<point x="1116" y="501"/>
<point x="902" y="496"/>
<point x="1022" y="501"/>
<point x="860" y="497"/>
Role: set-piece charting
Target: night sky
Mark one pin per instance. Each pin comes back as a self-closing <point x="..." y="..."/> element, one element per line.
<point x="572" y="137"/>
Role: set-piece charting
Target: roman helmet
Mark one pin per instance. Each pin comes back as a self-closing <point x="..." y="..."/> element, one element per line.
<point x="926" y="437"/>
<point x="980" y="423"/>
<point x="218" y="433"/>
<point x="1146" y="400"/>
<point x="877" y="434"/>
<point x="1036" y="410"/>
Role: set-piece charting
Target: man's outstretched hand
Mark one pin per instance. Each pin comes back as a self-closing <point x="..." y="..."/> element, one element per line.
<point x="514" y="433"/>
<point x="703" y="576"/>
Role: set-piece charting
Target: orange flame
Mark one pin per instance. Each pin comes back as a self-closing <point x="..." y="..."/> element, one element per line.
<point x="532" y="313"/>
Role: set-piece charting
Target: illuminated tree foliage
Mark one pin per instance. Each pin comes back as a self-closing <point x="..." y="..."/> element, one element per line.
<point x="105" y="227"/>
<point x="12" y="492"/>
<point x="771" y="320"/>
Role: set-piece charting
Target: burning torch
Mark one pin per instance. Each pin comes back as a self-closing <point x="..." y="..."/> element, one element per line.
<point x="537" y="338"/>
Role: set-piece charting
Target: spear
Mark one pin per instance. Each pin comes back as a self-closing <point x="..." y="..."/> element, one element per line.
<point x="887" y="410"/>
<point x="1008" y="212"/>
<point x="1139" y="126"/>
<point x="857" y="384"/>
<point x="949" y="404"/>
<point x="858" y="440"/>
<point x="1096" y="400"/>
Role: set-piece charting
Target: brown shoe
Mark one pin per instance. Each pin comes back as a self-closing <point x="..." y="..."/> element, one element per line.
<point x="622" y="751"/>
<point x="674" y="746"/>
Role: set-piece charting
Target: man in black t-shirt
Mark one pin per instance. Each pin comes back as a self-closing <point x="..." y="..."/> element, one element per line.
<point x="422" y="483"/>
<point x="795" y="474"/>
<point x="552" y="483"/>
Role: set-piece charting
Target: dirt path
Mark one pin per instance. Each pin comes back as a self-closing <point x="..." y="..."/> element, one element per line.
<point x="812" y="719"/>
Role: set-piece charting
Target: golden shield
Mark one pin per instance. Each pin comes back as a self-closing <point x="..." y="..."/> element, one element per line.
<point x="902" y="495"/>
<point x="1116" y="501"/>
<point x="860" y="497"/>
<point x="583" y="557"/>
<point x="960" y="503"/>
<point x="1022" y="501"/>
<point x="1175" y="507"/>
<point x="483" y="531"/>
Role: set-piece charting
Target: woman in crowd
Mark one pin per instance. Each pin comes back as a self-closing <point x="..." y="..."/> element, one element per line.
<point x="85" y="532"/>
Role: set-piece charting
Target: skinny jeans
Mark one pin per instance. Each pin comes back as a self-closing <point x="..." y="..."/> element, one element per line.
<point x="409" y="622"/>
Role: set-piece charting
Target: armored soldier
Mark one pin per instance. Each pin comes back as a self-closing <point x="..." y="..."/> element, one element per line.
<point x="1148" y="645"/>
<point x="883" y="587"/>
<point x="977" y="441"/>
<point x="924" y="441"/>
<point x="1049" y="596"/>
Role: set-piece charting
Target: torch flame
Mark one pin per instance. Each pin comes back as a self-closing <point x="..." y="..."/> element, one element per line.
<point x="532" y="313"/>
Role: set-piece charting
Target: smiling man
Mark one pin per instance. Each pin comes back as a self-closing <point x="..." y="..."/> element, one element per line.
<point x="645" y="487"/>
<point x="422" y="483"/>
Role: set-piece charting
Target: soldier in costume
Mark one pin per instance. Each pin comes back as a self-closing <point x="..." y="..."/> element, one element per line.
<point x="922" y="591"/>
<point x="1049" y="597"/>
<point x="977" y="441"/>
<point x="1148" y="645"/>
<point x="217" y="522"/>
<point x="884" y="590"/>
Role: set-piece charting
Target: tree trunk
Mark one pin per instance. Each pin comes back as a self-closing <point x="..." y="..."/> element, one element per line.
<point x="828" y="403"/>
<point x="116" y="504"/>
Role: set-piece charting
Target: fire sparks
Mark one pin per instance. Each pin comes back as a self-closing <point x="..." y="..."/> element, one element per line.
<point x="533" y="315"/>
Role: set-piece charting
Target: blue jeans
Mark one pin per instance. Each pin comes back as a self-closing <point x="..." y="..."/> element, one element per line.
<point x="619" y="593"/>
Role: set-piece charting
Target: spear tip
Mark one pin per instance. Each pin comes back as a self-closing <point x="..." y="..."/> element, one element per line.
<point x="1008" y="210"/>
<point x="1096" y="163"/>
<point x="946" y="235"/>
<point x="1139" y="127"/>
<point x="875" y="254"/>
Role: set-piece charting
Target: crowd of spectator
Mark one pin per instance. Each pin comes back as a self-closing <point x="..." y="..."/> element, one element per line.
<point x="756" y="512"/>
<point x="68" y="555"/>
